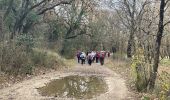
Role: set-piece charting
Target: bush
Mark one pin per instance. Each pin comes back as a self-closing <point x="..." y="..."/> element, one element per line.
<point x="25" y="40"/>
<point x="140" y="70"/>
<point x="16" y="60"/>
<point x="42" y="59"/>
<point x="163" y="86"/>
<point x="119" y="56"/>
<point x="47" y="58"/>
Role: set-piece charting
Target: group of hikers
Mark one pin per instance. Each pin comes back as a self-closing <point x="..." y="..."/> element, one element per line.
<point x="92" y="56"/>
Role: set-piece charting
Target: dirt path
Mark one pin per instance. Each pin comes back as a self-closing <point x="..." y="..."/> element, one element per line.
<point x="26" y="90"/>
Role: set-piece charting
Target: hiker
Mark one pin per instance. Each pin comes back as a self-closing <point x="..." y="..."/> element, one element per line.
<point x="108" y="54"/>
<point x="83" y="58"/>
<point x="93" y="53"/>
<point x="102" y="56"/>
<point x="87" y="52"/>
<point x="78" y="56"/>
<point x="89" y="58"/>
<point x="97" y="56"/>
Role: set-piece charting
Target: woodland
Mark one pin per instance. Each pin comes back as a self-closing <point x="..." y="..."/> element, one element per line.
<point x="136" y="31"/>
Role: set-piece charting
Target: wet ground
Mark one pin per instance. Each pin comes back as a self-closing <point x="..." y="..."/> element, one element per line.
<point x="80" y="87"/>
<point x="80" y="82"/>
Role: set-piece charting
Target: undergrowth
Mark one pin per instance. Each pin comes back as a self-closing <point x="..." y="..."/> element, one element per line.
<point x="17" y="60"/>
<point x="162" y="88"/>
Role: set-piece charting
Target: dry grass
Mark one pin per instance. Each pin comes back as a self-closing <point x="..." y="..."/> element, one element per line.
<point x="122" y="67"/>
<point x="2" y="79"/>
<point x="62" y="63"/>
<point x="41" y="62"/>
<point x="164" y="66"/>
<point x="70" y="62"/>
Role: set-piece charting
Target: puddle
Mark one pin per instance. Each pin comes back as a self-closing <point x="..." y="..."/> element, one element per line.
<point x="79" y="87"/>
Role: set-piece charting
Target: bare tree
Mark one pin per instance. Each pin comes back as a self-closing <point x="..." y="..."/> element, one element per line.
<point x="130" y="12"/>
<point x="157" y="45"/>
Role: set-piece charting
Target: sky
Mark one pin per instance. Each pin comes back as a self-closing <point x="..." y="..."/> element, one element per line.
<point x="105" y="4"/>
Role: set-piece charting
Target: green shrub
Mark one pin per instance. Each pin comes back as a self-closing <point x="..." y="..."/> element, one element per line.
<point x="13" y="59"/>
<point x="146" y="98"/>
<point x="140" y="70"/>
<point x="163" y="86"/>
<point x="38" y="58"/>
<point x="42" y="59"/>
<point x="47" y="58"/>
<point x="27" y="69"/>
<point x="25" y="40"/>
<point x="16" y="60"/>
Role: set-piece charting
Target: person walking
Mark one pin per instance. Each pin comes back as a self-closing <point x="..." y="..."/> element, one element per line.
<point x="83" y="58"/>
<point x="89" y="58"/>
<point x="102" y="56"/>
<point x="108" y="54"/>
<point x="93" y="53"/>
<point x="97" y="56"/>
<point x="78" y="56"/>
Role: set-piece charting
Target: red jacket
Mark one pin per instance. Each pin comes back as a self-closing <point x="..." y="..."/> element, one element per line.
<point x="98" y="54"/>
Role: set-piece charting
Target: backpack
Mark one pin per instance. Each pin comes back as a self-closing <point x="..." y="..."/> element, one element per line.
<point x="82" y="56"/>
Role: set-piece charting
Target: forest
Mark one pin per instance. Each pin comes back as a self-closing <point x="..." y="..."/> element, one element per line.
<point x="37" y="36"/>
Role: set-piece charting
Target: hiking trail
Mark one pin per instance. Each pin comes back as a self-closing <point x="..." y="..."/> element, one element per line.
<point x="27" y="90"/>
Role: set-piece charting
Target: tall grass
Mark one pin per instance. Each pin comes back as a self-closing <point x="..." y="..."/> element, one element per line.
<point x="17" y="60"/>
<point x="162" y="88"/>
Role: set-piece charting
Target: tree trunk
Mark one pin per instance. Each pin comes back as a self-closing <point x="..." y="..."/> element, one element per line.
<point x="131" y="45"/>
<point x="64" y="45"/>
<point x="1" y="26"/>
<point x="153" y="75"/>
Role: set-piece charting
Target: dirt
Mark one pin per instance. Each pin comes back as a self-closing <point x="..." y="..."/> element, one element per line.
<point x="122" y="67"/>
<point x="27" y="90"/>
<point x="164" y="69"/>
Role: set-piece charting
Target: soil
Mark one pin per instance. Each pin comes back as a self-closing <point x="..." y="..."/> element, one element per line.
<point x="27" y="90"/>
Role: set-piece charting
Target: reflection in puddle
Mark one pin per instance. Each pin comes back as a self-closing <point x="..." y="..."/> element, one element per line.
<point x="75" y="87"/>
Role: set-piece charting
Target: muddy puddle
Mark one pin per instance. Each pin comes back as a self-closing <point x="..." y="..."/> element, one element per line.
<point x="79" y="87"/>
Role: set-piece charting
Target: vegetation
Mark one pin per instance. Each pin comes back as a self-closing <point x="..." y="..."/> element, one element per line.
<point x="163" y="86"/>
<point x="41" y="33"/>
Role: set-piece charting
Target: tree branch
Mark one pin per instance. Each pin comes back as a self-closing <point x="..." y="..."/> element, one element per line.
<point x="128" y="7"/>
<point x="8" y="9"/>
<point x="74" y="36"/>
<point x="38" y="4"/>
<point x="53" y="6"/>
<point x="166" y="23"/>
<point x="166" y="2"/>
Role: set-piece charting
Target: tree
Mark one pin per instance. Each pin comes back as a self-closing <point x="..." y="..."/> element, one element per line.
<point x="159" y="35"/>
<point x="76" y="19"/>
<point x="130" y="13"/>
<point x="22" y="8"/>
<point x="1" y="25"/>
